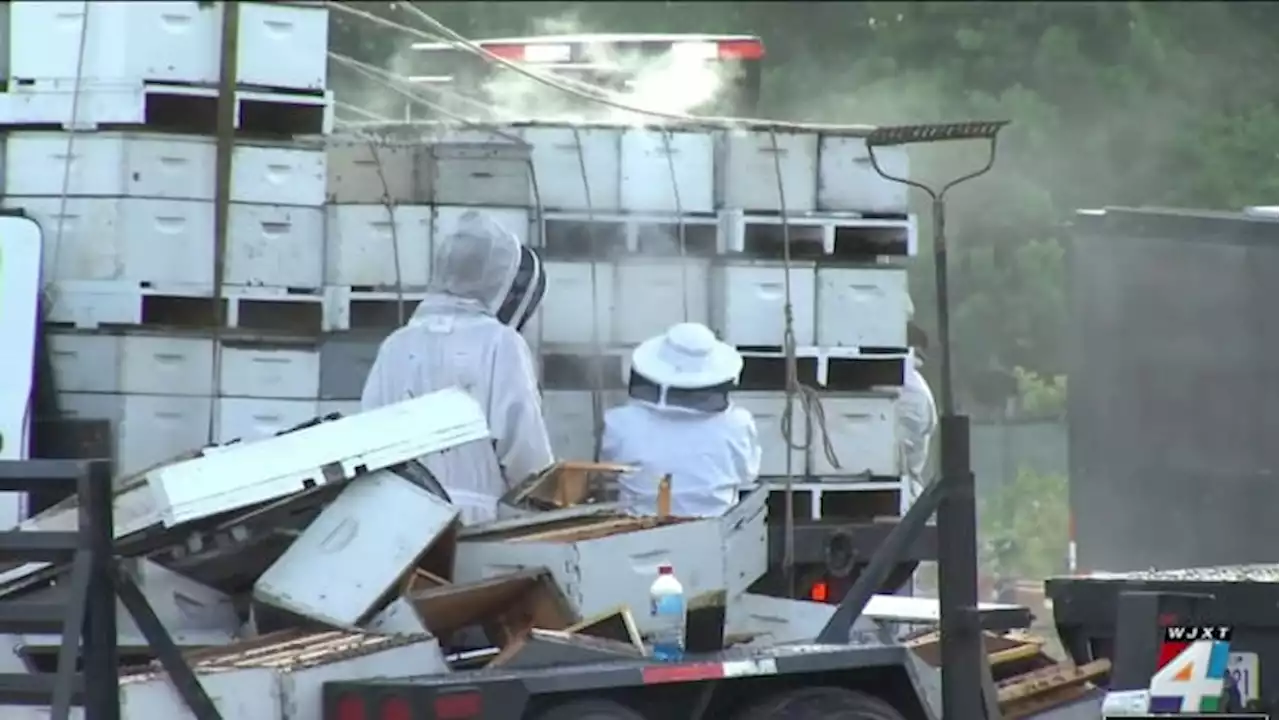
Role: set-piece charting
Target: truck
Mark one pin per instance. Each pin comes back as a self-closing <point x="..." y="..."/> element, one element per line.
<point x="1175" y="421"/>
<point x="705" y="211"/>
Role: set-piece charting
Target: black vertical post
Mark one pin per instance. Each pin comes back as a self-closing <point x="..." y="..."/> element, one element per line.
<point x="962" y="649"/>
<point x="101" y="656"/>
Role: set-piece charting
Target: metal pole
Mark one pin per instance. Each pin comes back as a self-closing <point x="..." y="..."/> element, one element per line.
<point x="101" y="654"/>
<point x="962" y="650"/>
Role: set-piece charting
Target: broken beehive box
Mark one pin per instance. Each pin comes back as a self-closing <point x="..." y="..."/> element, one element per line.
<point x="280" y="675"/>
<point x="564" y="484"/>
<point x="506" y="607"/>
<point x="347" y="565"/>
<point x="603" y="561"/>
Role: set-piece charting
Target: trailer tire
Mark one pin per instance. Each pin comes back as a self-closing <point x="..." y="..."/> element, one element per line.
<point x="591" y="709"/>
<point x="819" y="703"/>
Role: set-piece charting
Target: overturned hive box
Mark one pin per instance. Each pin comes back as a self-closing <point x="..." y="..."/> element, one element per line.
<point x="274" y="677"/>
<point x="604" y="561"/>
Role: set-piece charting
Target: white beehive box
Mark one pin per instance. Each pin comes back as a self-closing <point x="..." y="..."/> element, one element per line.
<point x="652" y="294"/>
<point x="365" y="541"/>
<point x="749" y="298"/>
<point x="847" y="182"/>
<point x="864" y="434"/>
<point x="172" y="242"/>
<point x="172" y="167"/>
<point x="667" y="172"/>
<point x="247" y="418"/>
<point x="244" y="474"/>
<point x="281" y="676"/>
<point x="479" y="168"/>
<point x="364" y="249"/>
<point x="147" y="429"/>
<point x="281" y="45"/>
<point x="768" y="409"/>
<point x="862" y="307"/>
<point x="560" y="155"/>
<point x="577" y="291"/>
<point x="600" y="571"/>
<point x="262" y="371"/>
<point x="747" y="172"/>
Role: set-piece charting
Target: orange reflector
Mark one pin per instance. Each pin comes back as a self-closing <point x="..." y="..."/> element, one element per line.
<point x="740" y="50"/>
<point x="819" y="592"/>
<point x="507" y="52"/>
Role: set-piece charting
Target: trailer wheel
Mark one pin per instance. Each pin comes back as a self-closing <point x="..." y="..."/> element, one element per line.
<point x="820" y="703"/>
<point x="591" y="709"/>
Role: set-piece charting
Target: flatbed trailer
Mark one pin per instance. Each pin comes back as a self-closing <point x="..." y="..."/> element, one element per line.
<point x="812" y="680"/>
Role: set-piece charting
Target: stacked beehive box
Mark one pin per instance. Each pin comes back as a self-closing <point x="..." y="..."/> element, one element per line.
<point x="128" y="213"/>
<point x="641" y="228"/>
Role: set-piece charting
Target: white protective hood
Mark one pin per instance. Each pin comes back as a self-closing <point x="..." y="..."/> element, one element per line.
<point x="687" y="356"/>
<point x="464" y="334"/>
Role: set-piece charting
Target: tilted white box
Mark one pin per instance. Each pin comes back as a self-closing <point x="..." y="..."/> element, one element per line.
<point x="727" y="554"/>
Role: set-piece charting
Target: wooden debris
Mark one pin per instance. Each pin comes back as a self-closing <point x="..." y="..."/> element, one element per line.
<point x="617" y="625"/>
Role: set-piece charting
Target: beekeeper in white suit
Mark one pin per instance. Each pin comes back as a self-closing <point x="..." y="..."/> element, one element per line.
<point x="484" y="286"/>
<point x="679" y="421"/>
<point x="917" y="414"/>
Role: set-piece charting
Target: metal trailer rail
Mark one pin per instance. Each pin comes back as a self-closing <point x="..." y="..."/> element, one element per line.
<point x="86" y="615"/>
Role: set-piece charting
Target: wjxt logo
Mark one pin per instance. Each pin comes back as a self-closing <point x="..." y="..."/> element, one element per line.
<point x="1194" y="633"/>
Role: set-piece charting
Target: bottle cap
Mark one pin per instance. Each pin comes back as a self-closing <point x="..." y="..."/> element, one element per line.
<point x="665" y="569"/>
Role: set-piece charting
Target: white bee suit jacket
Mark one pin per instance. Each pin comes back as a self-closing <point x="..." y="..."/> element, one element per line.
<point x="710" y="457"/>
<point x="456" y="339"/>
<point x="917" y="417"/>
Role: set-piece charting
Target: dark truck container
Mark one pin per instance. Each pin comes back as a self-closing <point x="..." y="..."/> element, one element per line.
<point x="1173" y="396"/>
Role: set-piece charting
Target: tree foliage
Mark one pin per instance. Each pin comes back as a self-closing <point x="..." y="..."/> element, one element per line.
<point x="1113" y="103"/>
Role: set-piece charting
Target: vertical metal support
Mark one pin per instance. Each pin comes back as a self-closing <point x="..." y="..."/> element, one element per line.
<point x="101" y="654"/>
<point x="943" y="291"/>
<point x="226" y="140"/>
<point x="961" y="633"/>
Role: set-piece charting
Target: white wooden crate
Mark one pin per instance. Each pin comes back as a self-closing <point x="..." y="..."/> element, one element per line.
<point x="847" y="182"/>
<point x="749" y="297"/>
<point x="747" y="176"/>
<point x="767" y="409"/>
<point x="862" y="307"/>
<point x="263" y="371"/>
<point x="171" y="241"/>
<point x="479" y="168"/>
<point x="244" y="474"/>
<point x="650" y="158"/>
<point x="148" y="165"/>
<point x="598" y="574"/>
<point x="280" y="45"/>
<point x="250" y="419"/>
<point x="281" y="676"/>
<point x="93" y="363"/>
<point x="864" y="434"/>
<point x="93" y="304"/>
<point x="560" y="155"/>
<point x="148" y="429"/>
<point x="569" y="302"/>
<point x="137" y="103"/>
<point x="366" y="540"/>
<point x="361" y="249"/>
<point x="652" y="294"/>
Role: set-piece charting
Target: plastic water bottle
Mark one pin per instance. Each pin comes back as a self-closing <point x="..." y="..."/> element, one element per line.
<point x="666" y="607"/>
